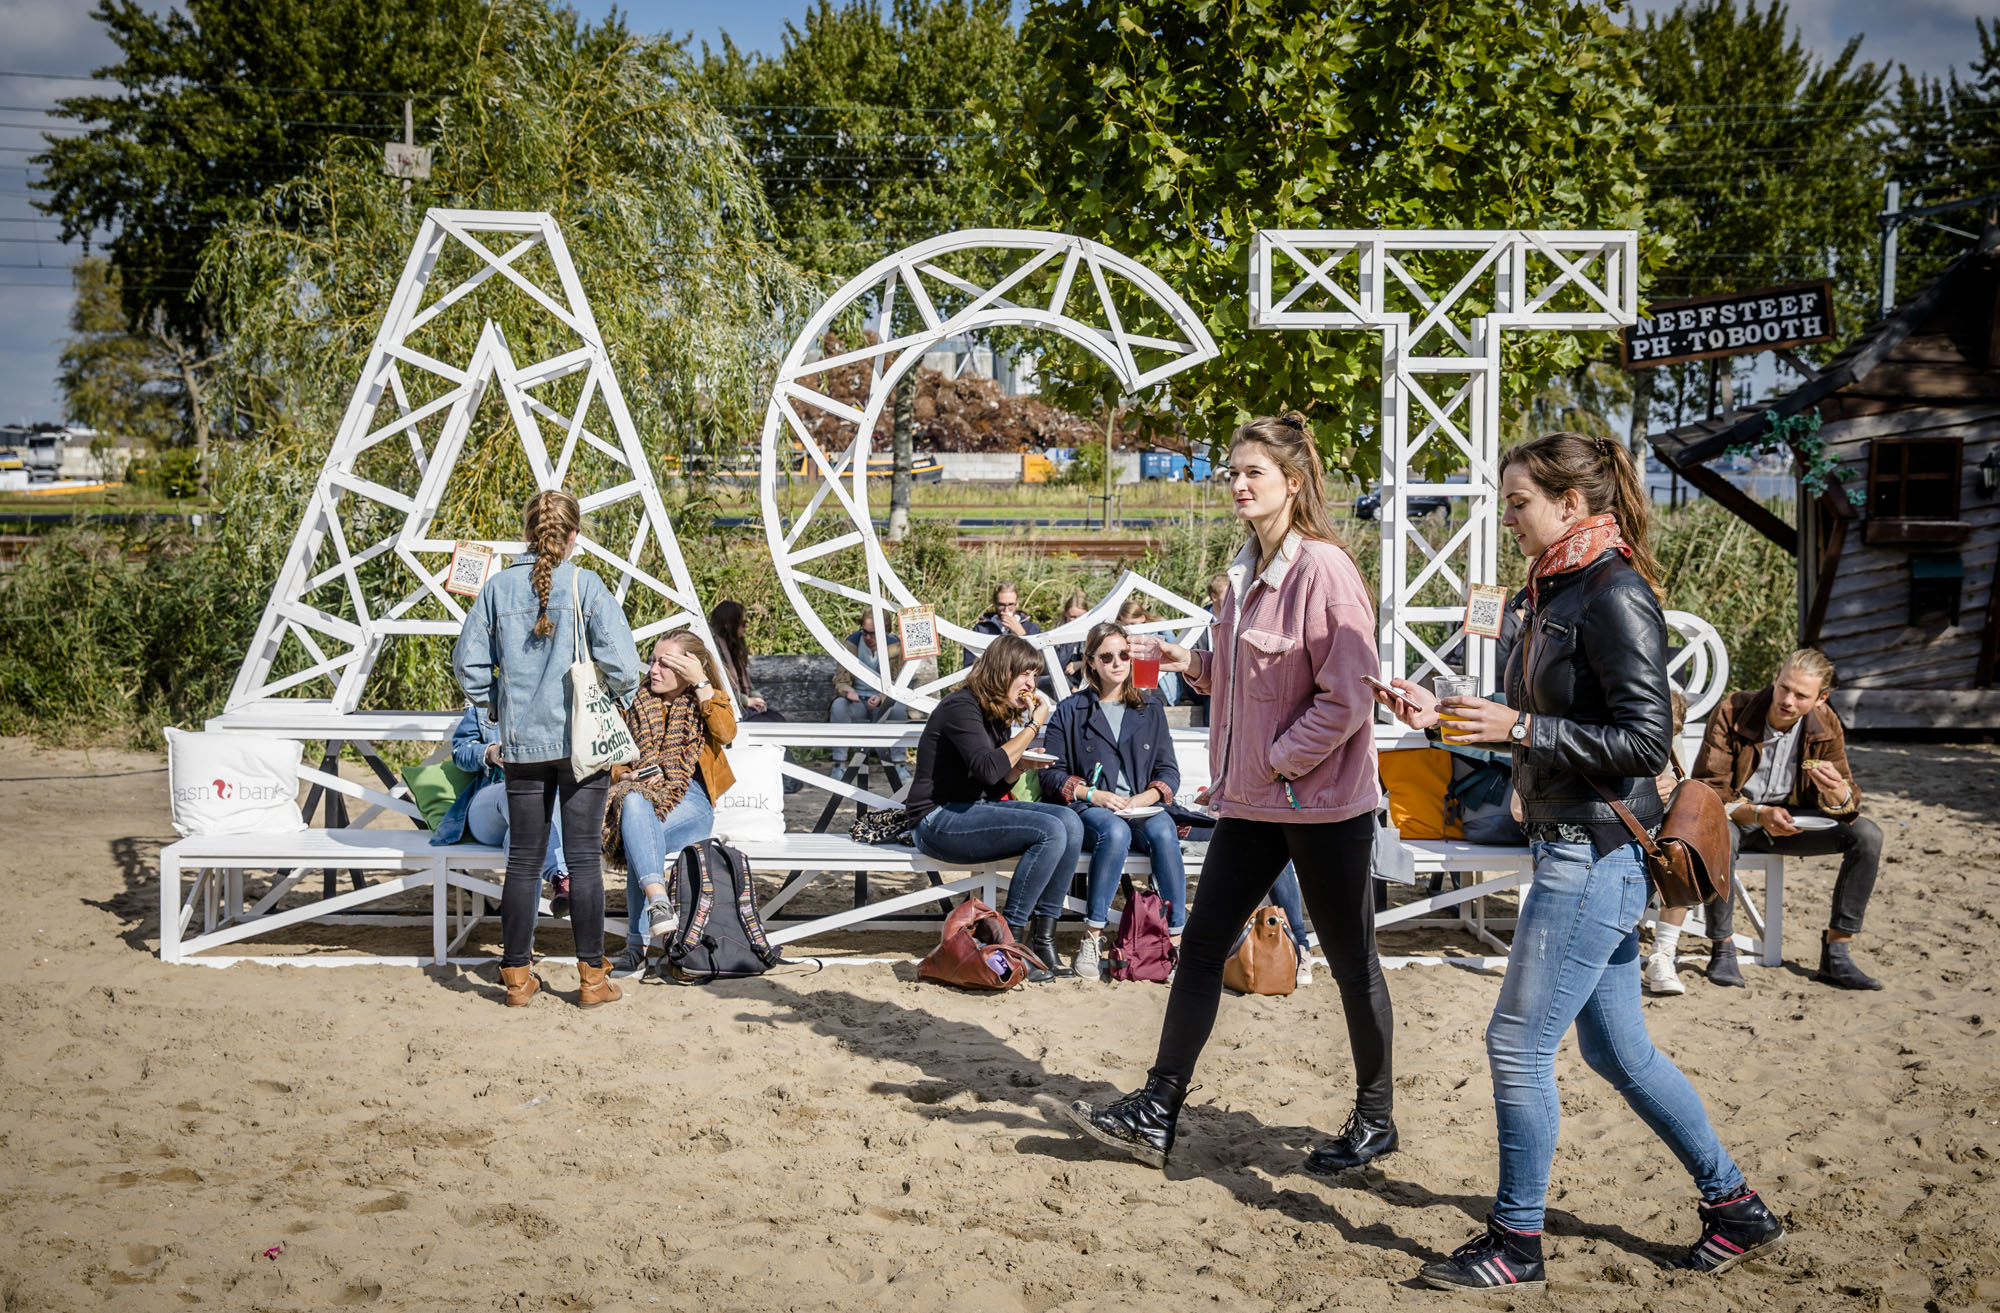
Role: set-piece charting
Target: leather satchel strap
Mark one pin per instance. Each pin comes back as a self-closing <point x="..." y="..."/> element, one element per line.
<point x="1646" y="841"/>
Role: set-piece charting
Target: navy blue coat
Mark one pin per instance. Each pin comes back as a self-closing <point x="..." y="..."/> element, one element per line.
<point x="1079" y="735"/>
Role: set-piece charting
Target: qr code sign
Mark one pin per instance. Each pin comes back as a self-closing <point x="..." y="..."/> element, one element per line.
<point x="919" y="632"/>
<point x="1484" y="606"/>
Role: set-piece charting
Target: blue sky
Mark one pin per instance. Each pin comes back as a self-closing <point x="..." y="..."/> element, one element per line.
<point x="54" y="37"/>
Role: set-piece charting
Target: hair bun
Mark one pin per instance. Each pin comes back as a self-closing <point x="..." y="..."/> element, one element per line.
<point x="1294" y="419"/>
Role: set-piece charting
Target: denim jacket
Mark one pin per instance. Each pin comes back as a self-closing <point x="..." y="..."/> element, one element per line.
<point x="521" y="679"/>
<point x="468" y="752"/>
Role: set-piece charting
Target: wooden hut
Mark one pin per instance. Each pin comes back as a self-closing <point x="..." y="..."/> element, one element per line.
<point x="1897" y="557"/>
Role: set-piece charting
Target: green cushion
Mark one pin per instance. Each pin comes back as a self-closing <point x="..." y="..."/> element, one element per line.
<point x="435" y="788"/>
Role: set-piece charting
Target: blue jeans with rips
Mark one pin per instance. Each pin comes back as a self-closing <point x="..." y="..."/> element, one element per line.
<point x="650" y="842"/>
<point x="1576" y="960"/>
<point x="1047" y="837"/>
<point x="1109" y="839"/>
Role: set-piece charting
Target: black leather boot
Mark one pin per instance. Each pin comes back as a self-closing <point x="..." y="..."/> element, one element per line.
<point x="1042" y="943"/>
<point x="1362" y="1140"/>
<point x="1142" y="1123"/>
<point x="1722" y="968"/>
<point x="1037" y="974"/>
<point x="1836" y="967"/>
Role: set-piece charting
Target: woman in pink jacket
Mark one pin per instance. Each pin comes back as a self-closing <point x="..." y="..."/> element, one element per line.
<point x="1291" y="754"/>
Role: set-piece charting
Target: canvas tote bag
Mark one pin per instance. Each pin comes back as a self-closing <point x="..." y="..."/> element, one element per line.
<point x="598" y="736"/>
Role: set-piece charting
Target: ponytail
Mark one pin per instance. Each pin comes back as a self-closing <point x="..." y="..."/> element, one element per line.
<point x="1603" y="473"/>
<point x="547" y="521"/>
<point x="1289" y="440"/>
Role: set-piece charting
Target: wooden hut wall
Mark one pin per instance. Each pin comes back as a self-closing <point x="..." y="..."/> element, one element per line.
<point x="1893" y="673"/>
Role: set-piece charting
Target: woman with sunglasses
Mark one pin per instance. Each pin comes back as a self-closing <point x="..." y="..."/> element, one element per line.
<point x="1114" y="766"/>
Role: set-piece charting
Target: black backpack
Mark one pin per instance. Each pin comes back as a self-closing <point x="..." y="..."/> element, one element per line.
<point x="719" y="936"/>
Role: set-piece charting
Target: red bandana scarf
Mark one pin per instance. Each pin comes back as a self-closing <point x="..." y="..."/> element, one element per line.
<point x="1587" y="540"/>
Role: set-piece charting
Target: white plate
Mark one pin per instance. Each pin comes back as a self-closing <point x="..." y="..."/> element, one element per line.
<point x="1194" y="809"/>
<point x="1036" y="754"/>
<point x="1140" y="813"/>
<point x="1814" y="822"/>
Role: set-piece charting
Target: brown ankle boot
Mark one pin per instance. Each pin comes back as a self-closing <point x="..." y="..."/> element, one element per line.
<point x="521" y="985"/>
<point x="596" y="989"/>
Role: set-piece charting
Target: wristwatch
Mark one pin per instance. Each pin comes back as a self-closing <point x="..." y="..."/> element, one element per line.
<point x="1519" y="731"/>
<point x="705" y="684"/>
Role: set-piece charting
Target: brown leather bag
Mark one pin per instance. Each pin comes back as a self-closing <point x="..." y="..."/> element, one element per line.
<point x="1689" y="861"/>
<point x="1265" y="961"/>
<point x="975" y="937"/>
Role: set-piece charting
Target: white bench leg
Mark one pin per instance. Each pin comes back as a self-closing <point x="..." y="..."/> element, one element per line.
<point x="170" y="908"/>
<point x="1774" y="913"/>
<point x="440" y="913"/>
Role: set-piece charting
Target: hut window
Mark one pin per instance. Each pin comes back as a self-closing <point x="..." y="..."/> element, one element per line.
<point x="1936" y="582"/>
<point x="1913" y="491"/>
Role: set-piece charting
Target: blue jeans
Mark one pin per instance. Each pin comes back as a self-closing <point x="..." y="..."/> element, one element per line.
<point x="486" y="822"/>
<point x="1110" y="838"/>
<point x="847" y="712"/>
<point x="650" y="841"/>
<point x="1047" y="837"/>
<point x="1285" y="893"/>
<point x="1576" y="959"/>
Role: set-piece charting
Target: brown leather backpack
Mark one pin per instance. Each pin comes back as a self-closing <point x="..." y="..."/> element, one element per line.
<point x="1265" y="961"/>
<point x="1689" y="860"/>
<point x="975" y="938"/>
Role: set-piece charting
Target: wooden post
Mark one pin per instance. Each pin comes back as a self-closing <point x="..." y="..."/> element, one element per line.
<point x="1834" y="501"/>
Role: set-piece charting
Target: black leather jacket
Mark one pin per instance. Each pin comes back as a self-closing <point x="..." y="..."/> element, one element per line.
<point x="1590" y="668"/>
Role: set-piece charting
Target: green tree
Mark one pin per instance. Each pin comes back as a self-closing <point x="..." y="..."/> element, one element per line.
<point x="111" y="377"/>
<point x="659" y="209"/>
<point x="1946" y="147"/>
<point x="1172" y="130"/>
<point x="1771" y="173"/>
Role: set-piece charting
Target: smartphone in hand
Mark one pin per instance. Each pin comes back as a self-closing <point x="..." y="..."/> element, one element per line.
<point x="1390" y="689"/>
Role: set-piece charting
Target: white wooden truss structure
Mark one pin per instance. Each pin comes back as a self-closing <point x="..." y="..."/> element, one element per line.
<point x="369" y="560"/>
<point x="1443" y="303"/>
<point x="828" y="556"/>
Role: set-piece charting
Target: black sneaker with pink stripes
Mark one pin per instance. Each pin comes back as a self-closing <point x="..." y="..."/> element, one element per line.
<point x="1498" y="1258"/>
<point x="1732" y="1231"/>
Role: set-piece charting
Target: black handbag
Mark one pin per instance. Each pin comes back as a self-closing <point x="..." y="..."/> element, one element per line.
<point x="888" y="825"/>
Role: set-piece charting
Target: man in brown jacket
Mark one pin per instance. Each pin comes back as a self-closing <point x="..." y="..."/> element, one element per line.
<point x="1778" y="757"/>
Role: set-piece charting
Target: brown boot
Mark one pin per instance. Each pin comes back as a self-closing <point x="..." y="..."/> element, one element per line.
<point x="521" y="985"/>
<point x="596" y="989"/>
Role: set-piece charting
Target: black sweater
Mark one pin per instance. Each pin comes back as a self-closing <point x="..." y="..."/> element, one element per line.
<point x="960" y="758"/>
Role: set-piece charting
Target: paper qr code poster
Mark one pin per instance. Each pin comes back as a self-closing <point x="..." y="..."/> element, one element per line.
<point x="1485" y="605"/>
<point x="471" y="564"/>
<point x="919" y="632"/>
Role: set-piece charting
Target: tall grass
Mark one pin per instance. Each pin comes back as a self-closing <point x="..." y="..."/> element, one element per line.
<point x="111" y="635"/>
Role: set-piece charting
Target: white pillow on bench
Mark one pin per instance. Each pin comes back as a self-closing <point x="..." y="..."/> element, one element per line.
<point x="753" y="809"/>
<point x="234" y="783"/>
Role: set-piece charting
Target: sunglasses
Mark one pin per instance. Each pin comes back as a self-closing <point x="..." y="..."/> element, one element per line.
<point x="1109" y="658"/>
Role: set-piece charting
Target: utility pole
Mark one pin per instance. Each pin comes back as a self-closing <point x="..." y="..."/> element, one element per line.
<point x="1892" y="220"/>
<point x="405" y="159"/>
<point x="410" y="140"/>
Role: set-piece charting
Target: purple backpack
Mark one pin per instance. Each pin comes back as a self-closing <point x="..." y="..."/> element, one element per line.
<point x="1142" y="949"/>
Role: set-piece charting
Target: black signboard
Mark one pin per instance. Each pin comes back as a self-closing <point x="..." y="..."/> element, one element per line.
<point x="1735" y="324"/>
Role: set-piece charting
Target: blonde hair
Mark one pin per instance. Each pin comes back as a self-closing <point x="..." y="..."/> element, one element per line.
<point x="1132" y="611"/>
<point x="1289" y="439"/>
<point x="1131" y="695"/>
<point x="547" y="521"/>
<point x="1811" y="661"/>
<point x="690" y="642"/>
<point x="1602" y="473"/>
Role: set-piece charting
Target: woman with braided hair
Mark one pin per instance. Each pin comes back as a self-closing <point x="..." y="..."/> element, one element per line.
<point x="666" y="800"/>
<point x="512" y="659"/>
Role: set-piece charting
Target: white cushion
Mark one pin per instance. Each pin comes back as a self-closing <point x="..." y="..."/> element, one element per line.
<point x="234" y="783"/>
<point x="754" y="807"/>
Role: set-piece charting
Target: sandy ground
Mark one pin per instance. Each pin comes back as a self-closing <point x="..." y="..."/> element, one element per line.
<point x="275" y="1138"/>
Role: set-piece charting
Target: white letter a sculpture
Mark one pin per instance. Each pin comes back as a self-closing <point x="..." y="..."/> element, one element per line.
<point x="367" y="562"/>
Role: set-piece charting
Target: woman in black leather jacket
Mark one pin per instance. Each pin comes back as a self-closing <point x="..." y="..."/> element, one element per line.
<point x="1586" y="705"/>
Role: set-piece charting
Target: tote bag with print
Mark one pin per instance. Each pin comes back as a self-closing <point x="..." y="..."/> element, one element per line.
<point x="599" y="738"/>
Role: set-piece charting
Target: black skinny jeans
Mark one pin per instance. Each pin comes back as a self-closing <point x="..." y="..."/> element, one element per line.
<point x="533" y="789"/>
<point x="1332" y="861"/>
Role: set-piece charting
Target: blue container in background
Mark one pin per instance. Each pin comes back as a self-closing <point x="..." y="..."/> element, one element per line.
<point x="1159" y="465"/>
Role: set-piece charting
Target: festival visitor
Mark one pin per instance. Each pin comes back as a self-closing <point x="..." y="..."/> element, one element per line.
<point x="1113" y="754"/>
<point x="1586" y="700"/>
<point x="967" y="760"/>
<point x="482" y="812"/>
<point x="853" y="706"/>
<point x="512" y="659"/>
<point x="1658" y="975"/>
<point x="1070" y="655"/>
<point x="1133" y="612"/>
<point x="1292" y="764"/>
<point x="1006" y="617"/>
<point x="1778" y="757"/>
<point x="666" y="800"/>
<point x="729" y="623"/>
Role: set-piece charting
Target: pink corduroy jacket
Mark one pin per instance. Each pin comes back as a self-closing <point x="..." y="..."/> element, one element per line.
<point x="1284" y="677"/>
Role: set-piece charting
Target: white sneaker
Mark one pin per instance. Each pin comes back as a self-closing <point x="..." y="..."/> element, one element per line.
<point x="1659" y="975"/>
<point x="1305" y="972"/>
<point x="1089" y="960"/>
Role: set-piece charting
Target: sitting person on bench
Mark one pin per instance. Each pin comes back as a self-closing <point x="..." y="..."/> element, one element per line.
<point x="666" y="800"/>
<point x="1113" y="753"/>
<point x="1778" y="756"/>
<point x="481" y="811"/>
<point x="967" y="761"/>
<point x="1660" y="975"/>
<point x="851" y="706"/>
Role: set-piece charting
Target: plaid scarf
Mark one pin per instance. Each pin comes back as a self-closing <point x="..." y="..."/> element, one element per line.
<point x="1587" y="540"/>
<point x="670" y="735"/>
